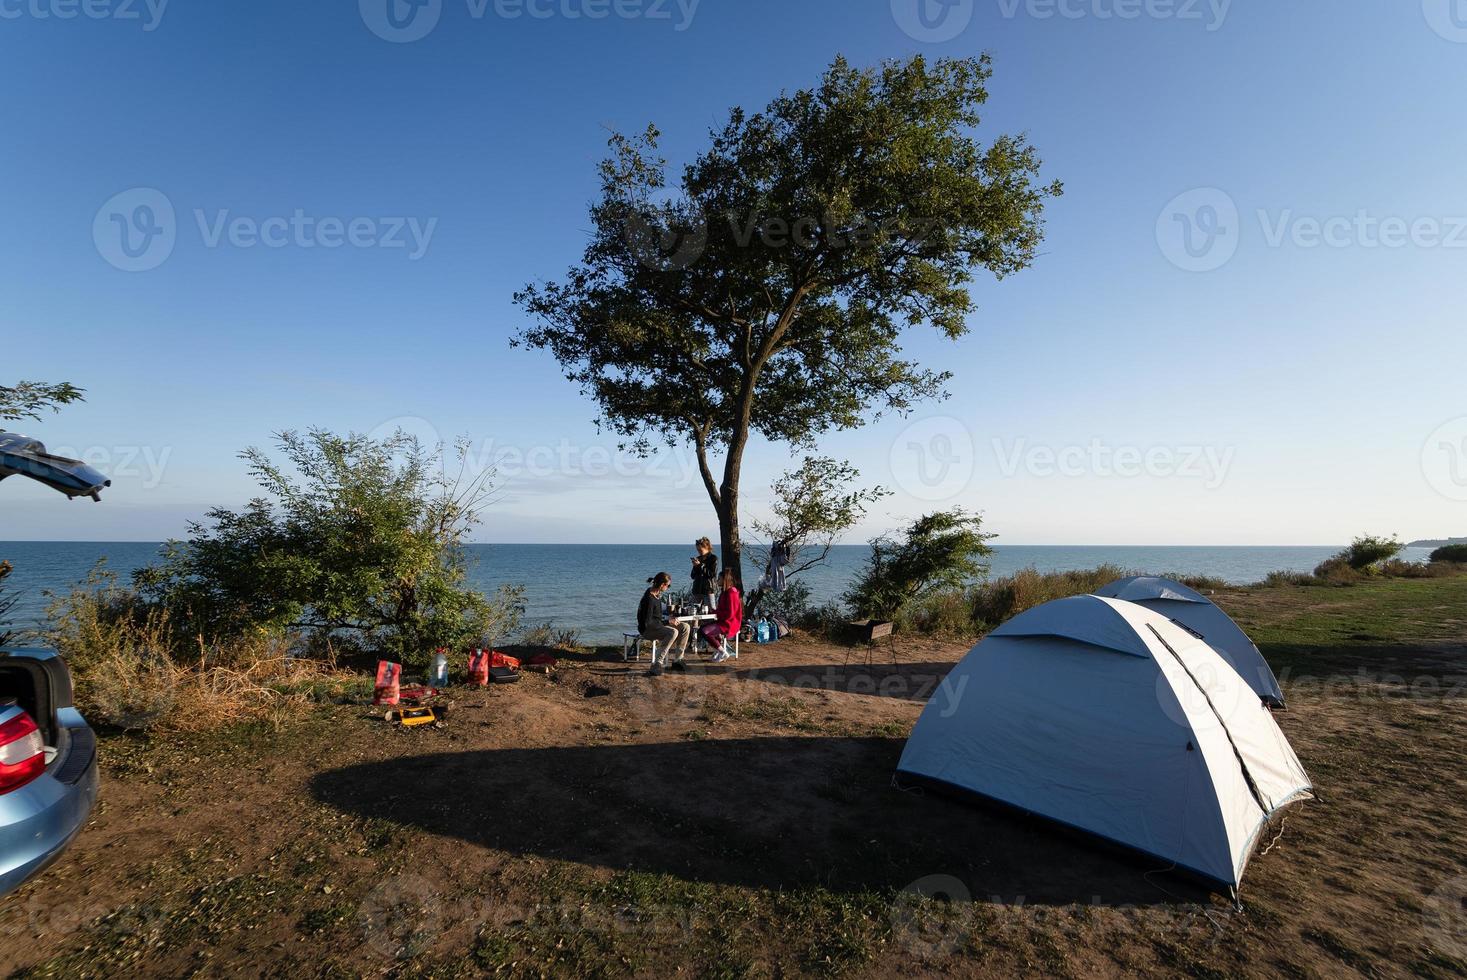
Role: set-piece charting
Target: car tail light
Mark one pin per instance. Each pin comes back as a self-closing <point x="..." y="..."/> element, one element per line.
<point x="22" y="752"/>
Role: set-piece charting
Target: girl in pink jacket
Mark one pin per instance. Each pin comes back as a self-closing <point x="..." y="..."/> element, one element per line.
<point x="730" y="617"/>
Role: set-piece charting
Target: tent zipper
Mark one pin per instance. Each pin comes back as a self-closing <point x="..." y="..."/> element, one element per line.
<point x="1247" y="776"/>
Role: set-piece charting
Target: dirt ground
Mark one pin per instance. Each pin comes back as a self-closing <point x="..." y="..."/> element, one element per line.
<point x="739" y="820"/>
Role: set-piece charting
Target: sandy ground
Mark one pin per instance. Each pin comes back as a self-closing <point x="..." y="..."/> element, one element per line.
<point x="734" y="821"/>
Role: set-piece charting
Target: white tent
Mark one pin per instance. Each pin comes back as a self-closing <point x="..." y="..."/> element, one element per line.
<point x="1201" y="615"/>
<point x="1106" y="717"/>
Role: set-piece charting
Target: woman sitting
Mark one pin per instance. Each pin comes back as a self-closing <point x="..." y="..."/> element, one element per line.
<point x="729" y="617"/>
<point x="652" y="624"/>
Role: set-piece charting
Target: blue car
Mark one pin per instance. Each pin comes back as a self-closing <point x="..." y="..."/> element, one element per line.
<point x="48" y="755"/>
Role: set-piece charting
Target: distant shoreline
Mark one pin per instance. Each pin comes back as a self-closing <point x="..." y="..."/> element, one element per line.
<point x="848" y="544"/>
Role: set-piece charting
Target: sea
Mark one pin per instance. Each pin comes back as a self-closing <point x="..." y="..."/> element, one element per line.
<point x="594" y="588"/>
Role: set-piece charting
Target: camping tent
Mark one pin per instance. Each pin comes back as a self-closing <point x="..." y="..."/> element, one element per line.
<point x="1199" y="614"/>
<point x="1109" y="718"/>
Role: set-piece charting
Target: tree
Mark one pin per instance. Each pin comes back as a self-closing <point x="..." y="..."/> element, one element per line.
<point x="7" y="603"/>
<point x="945" y="550"/>
<point x="28" y="399"/>
<point x="769" y="294"/>
<point x="1451" y="552"/>
<point x="353" y="535"/>
<point x="813" y="506"/>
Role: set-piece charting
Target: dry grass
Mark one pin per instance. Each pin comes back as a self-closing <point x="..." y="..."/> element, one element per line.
<point x="132" y="672"/>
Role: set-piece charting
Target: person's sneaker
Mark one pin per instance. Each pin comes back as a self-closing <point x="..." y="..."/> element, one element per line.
<point x="722" y="655"/>
<point x="656" y="671"/>
<point x="677" y="665"/>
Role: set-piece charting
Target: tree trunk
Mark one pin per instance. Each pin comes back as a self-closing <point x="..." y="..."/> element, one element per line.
<point x="728" y="531"/>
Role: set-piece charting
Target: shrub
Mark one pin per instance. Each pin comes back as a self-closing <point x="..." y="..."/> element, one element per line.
<point x="1451" y="552"/>
<point x="943" y="614"/>
<point x="1365" y="552"/>
<point x="1202" y="583"/>
<point x="354" y="536"/>
<point x="939" y="552"/>
<point x="548" y="636"/>
<point x="7" y="603"/>
<point x="129" y="674"/>
<point x="1337" y="571"/>
<point x="1001" y="599"/>
<point x="827" y="620"/>
<point x="1289" y="579"/>
<point x="792" y="605"/>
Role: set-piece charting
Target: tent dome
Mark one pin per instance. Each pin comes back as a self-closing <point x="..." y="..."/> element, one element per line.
<point x="1201" y="615"/>
<point x="1104" y="716"/>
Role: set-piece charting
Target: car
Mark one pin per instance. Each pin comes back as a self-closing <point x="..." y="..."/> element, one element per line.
<point x="48" y="753"/>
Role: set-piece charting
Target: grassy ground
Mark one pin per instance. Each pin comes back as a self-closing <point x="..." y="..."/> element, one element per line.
<point x="740" y="822"/>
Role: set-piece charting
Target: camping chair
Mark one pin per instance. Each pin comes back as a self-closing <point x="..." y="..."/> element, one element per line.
<point x="631" y="647"/>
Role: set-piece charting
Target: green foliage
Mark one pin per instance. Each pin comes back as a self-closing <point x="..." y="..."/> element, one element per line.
<point x="1451" y="552"/>
<point x="1367" y="551"/>
<point x="7" y="603"/>
<point x="812" y="507"/>
<point x="354" y="537"/>
<point x="1287" y="579"/>
<point x="548" y="636"/>
<point x="768" y="293"/>
<point x="940" y="551"/>
<point x="792" y="605"/>
<point x="1001" y="599"/>
<point x="28" y="399"/>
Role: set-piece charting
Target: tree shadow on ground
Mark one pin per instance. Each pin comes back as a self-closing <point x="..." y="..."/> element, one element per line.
<point x="776" y="813"/>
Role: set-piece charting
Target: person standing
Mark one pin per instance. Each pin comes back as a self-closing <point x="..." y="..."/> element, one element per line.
<point x="652" y="625"/>
<point x="730" y="617"/>
<point x="705" y="574"/>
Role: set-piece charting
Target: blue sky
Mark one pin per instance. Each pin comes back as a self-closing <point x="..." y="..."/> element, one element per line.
<point x="1289" y="380"/>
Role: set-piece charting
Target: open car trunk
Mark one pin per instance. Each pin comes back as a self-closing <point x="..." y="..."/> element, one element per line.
<point x="41" y="685"/>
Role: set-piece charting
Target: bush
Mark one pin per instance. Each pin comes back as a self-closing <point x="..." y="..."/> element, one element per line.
<point x="941" y="614"/>
<point x="1001" y="599"/>
<point x="827" y="620"/>
<point x="937" y="553"/>
<point x="551" y="637"/>
<point x="1451" y="552"/>
<point x="792" y="605"/>
<point x="1290" y="579"/>
<point x="1363" y="554"/>
<point x="125" y="661"/>
<point x="7" y="603"/>
<point x="354" y="537"/>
